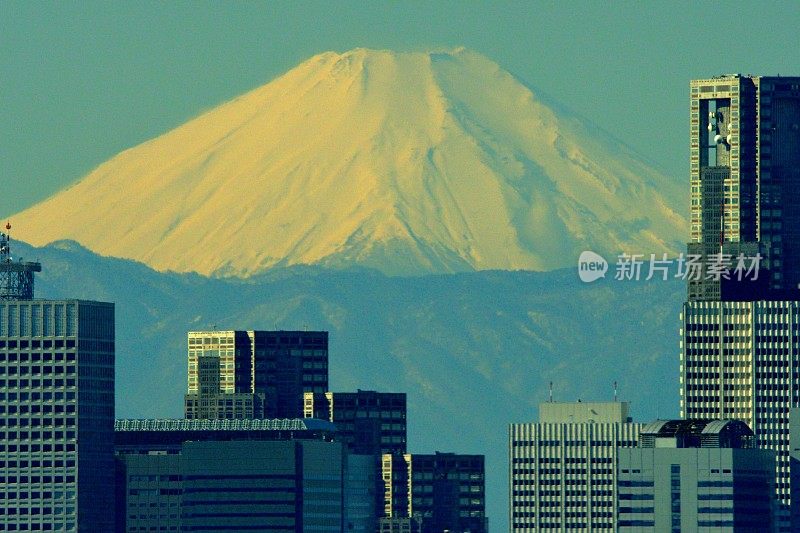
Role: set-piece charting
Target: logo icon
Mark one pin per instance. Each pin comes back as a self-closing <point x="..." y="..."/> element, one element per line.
<point x="591" y="267"/>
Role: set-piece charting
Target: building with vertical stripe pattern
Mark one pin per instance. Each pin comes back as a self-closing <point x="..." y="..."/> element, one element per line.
<point x="562" y="470"/>
<point x="741" y="360"/>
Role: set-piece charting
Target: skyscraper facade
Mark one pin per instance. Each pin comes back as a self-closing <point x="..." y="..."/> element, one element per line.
<point x="741" y="360"/>
<point x="563" y="469"/>
<point x="438" y="492"/>
<point x="739" y="339"/>
<point x="220" y="376"/>
<point x="369" y="422"/>
<point x="254" y="374"/>
<point x="56" y="409"/>
<point x="745" y="177"/>
<point x="287" y="364"/>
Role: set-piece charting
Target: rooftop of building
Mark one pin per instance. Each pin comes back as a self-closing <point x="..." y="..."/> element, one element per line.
<point x="584" y="412"/>
<point x="258" y="331"/>
<point x="738" y="76"/>
<point x="696" y="433"/>
<point x="359" y="392"/>
<point x="183" y="424"/>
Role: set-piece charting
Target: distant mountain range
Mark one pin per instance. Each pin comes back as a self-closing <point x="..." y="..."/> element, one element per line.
<point x="474" y="351"/>
<point x="407" y="163"/>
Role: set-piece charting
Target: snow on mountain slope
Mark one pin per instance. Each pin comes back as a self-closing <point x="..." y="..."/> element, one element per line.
<point x="404" y="162"/>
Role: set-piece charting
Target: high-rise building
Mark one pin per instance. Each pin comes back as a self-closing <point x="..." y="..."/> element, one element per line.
<point x="220" y="376"/>
<point x="439" y="492"/>
<point x="56" y="407"/>
<point x="239" y="475"/>
<point x="739" y="340"/>
<point x="695" y="475"/>
<point x="254" y="374"/>
<point x="741" y="360"/>
<point x="562" y="469"/>
<point x="745" y="179"/>
<point x="369" y="422"/>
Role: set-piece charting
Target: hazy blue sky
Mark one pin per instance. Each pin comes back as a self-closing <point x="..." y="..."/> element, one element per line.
<point x="80" y="82"/>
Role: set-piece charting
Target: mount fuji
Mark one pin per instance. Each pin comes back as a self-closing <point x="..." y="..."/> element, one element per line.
<point x="408" y="163"/>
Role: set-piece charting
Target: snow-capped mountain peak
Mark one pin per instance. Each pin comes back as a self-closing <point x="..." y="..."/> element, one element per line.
<point x="404" y="162"/>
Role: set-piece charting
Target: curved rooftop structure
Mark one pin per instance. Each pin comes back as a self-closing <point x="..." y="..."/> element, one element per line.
<point x="696" y="433"/>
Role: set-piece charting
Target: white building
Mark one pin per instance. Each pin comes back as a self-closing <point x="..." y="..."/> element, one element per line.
<point x="562" y="469"/>
<point x="741" y="360"/>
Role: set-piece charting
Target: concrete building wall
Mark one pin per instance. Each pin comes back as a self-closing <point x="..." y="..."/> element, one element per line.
<point x="695" y="489"/>
<point x="562" y="474"/>
<point x="57" y="415"/>
<point x="587" y="412"/>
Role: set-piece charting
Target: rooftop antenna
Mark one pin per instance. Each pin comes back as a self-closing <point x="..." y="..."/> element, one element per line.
<point x="16" y="277"/>
<point x="551" y="392"/>
<point x="615" y="391"/>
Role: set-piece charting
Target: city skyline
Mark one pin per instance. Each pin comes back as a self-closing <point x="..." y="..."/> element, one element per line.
<point x="78" y="469"/>
<point x="472" y="153"/>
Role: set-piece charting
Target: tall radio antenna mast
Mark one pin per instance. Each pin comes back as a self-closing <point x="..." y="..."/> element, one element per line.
<point x="16" y="277"/>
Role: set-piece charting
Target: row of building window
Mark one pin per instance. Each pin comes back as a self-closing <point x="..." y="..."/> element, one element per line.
<point x="597" y="481"/>
<point x="558" y="460"/>
<point x="37" y="408"/>
<point x="520" y="443"/>
<point x="35" y="448"/>
<point x="12" y="480"/>
<point x="35" y="396"/>
<point x="25" y="344"/>
<point x="531" y="492"/>
<point x="36" y="495"/>
<point x="37" y="463"/>
<point x="35" y="357"/>
<point x="37" y="422"/>
<point x="636" y="510"/>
